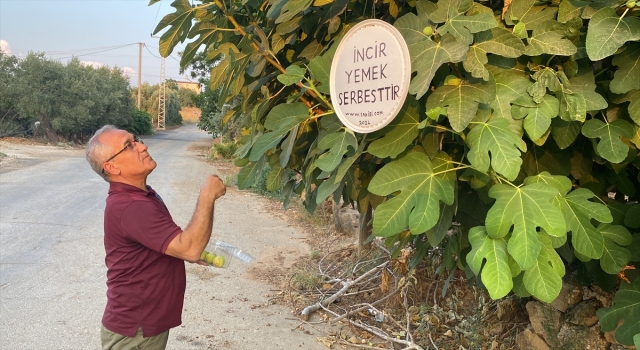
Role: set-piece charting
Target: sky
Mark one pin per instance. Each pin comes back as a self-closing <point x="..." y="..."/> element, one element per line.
<point x="63" y="28"/>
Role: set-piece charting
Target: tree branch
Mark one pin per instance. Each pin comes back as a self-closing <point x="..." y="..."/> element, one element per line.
<point x="345" y="286"/>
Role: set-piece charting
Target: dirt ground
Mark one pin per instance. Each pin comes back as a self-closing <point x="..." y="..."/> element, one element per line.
<point x="463" y="317"/>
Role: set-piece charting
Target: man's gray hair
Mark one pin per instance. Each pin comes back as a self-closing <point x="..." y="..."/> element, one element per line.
<point x="97" y="152"/>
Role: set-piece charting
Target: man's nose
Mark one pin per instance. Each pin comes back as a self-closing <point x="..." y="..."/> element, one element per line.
<point x="141" y="146"/>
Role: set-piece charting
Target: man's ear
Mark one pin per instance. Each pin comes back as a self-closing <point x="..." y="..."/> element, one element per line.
<point x="111" y="169"/>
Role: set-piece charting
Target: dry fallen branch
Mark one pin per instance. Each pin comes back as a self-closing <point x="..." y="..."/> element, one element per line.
<point x="365" y="307"/>
<point x="346" y="285"/>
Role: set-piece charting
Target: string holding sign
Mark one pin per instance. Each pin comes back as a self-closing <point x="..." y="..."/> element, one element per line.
<point x="370" y="76"/>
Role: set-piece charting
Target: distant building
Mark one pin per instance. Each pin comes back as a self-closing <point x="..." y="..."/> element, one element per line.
<point x="193" y="86"/>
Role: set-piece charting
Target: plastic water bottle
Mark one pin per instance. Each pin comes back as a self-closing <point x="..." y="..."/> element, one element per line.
<point x="243" y="256"/>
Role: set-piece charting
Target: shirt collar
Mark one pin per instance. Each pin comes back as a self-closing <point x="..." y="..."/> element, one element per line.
<point x="119" y="187"/>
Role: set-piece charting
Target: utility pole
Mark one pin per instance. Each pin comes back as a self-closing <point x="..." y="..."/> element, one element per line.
<point x="161" y="99"/>
<point x="139" y="73"/>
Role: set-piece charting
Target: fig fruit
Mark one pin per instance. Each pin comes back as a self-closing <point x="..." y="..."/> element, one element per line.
<point x="428" y="31"/>
<point x="210" y="258"/>
<point x="218" y="261"/>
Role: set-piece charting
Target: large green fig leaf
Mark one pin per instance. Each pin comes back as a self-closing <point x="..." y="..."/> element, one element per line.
<point x="441" y="162"/>
<point x="293" y="75"/>
<point x="633" y="97"/>
<point x="462" y="26"/>
<point x="462" y="101"/>
<point x="265" y="142"/>
<point x="274" y="179"/>
<point x="549" y="38"/>
<point x="179" y="23"/>
<point x="320" y="68"/>
<point x="626" y="78"/>
<point x="205" y="32"/>
<point x="411" y="27"/>
<point x="615" y="256"/>
<point x="249" y="174"/>
<point x="564" y="132"/>
<point x="496" y="138"/>
<point x="399" y="134"/>
<point x="544" y="278"/>
<point x="578" y="213"/>
<point x="537" y="117"/>
<point x="584" y="84"/>
<point x="509" y="86"/>
<point x="281" y="119"/>
<point x="496" y="275"/>
<point x="570" y="9"/>
<point x="330" y="185"/>
<point x="610" y="146"/>
<point x="338" y="144"/>
<point x="607" y="32"/>
<point x="418" y="204"/>
<point x="561" y="183"/>
<point x="525" y="208"/>
<point x="625" y="309"/>
<point x="292" y="8"/>
<point x="529" y="15"/>
<point x="573" y="106"/>
<point x="497" y="41"/>
<point x="427" y="56"/>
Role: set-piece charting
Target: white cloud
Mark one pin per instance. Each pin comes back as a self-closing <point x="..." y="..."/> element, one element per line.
<point x="92" y="64"/>
<point x="129" y="71"/>
<point x="4" y="47"/>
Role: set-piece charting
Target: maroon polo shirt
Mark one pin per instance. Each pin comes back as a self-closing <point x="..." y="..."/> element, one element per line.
<point x="145" y="287"/>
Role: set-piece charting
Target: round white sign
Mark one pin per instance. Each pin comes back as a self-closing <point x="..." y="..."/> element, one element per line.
<point x="370" y="76"/>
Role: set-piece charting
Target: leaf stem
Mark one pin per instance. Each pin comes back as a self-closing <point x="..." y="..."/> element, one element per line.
<point x="320" y="115"/>
<point x="313" y="87"/>
<point x="624" y="14"/>
<point x="501" y="178"/>
<point x="549" y="60"/>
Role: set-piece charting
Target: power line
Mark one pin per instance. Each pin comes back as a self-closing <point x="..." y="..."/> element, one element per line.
<point x="154" y="21"/>
<point x="146" y="47"/>
<point x="66" y="52"/>
<point x="177" y="60"/>
<point x="90" y="53"/>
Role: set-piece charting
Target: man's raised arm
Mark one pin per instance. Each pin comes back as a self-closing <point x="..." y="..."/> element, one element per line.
<point x="191" y="242"/>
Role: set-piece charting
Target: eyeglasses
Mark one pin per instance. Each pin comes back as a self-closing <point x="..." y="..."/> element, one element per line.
<point x="136" y="139"/>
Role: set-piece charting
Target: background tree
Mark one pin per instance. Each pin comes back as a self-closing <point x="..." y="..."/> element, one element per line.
<point x="69" y="101"/>
<point x="516" y="151"/>
<point x="150" y="96"/>
<point x="8" y="94"/>
<point x="187" y="97"/>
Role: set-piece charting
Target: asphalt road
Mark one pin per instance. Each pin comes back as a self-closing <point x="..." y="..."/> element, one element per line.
<point x="52" y="270"/>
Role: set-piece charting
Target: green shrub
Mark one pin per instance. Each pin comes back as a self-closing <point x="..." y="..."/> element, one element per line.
<point x="141" y="123"/>
<point x="225" y="149"/>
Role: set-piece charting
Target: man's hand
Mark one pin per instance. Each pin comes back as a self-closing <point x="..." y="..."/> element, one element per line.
<point x="213" y="188"/>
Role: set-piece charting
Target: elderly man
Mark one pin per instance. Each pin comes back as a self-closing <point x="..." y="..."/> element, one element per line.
<point x="145" y="249"/>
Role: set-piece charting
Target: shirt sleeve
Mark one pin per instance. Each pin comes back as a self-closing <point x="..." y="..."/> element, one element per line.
<point x="148" y="224"/>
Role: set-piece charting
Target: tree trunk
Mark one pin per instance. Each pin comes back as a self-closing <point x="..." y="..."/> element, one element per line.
<point x="365" y="228"/>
